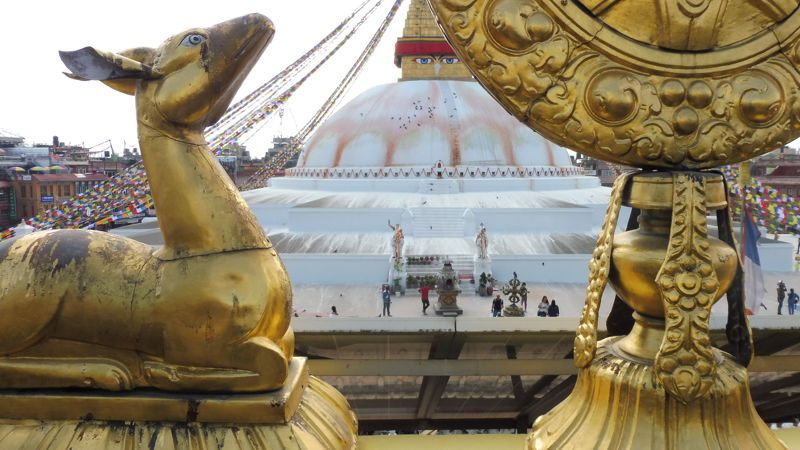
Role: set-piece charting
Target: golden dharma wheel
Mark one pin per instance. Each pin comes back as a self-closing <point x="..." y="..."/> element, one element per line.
<point x="677" y="84"/>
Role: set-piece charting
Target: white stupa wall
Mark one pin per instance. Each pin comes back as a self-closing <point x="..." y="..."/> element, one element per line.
<point x="339" y="270"/>
<point x="343" y="220"/>
<point x="499" y="220"/>
<point x="542" y="268"/>
<point x="776" y="257"/>
<point x="543" y="220"/>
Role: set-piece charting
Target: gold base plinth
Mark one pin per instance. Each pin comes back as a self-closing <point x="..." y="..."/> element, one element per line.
<point x="513" y="310"/>
<point x="307" y="414"/>
<point x="158" y="406"/>
<point x="617" y="403"/>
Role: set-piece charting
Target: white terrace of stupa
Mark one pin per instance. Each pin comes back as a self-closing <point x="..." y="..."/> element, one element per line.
<point x="439" y="157"/>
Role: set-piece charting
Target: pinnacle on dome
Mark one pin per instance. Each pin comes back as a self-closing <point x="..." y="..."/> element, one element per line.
<point x="422" y="52"/>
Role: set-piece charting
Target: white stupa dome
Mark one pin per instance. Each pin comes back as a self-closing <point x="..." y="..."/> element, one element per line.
<point x="418" y="123"/>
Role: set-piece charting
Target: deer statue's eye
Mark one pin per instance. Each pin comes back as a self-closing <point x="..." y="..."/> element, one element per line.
<point x="193" y="40"/>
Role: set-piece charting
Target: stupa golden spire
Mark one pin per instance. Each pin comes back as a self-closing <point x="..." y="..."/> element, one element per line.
<point x="422" y="52"/>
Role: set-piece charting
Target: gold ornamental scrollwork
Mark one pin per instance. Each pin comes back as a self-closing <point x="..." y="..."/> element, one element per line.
<point x="599" y="267"/>
<point x="592" y="88"/>
<point x="685" y="363"/>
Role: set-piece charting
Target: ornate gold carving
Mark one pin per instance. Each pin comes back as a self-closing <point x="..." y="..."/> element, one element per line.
<point x="563" y="72"/>
<point x="599" y="267"/>
<point x="685" y="364"/>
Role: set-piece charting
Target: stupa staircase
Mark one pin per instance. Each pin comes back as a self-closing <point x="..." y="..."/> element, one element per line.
<point x="431" y="265"/>
<point x="437" y="222"/>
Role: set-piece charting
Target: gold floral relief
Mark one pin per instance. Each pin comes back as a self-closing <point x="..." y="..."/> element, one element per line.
<point x="685" y="363"/>
<point x="599" y="268"/>
<point x="587" y="86"/>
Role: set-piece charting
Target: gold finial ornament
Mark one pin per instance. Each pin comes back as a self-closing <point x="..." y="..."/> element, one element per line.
<point x="205" y="320"/>
<point x="671" y="87"/>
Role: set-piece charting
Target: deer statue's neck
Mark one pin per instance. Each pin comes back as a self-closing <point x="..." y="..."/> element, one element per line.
<point x="200" y="210"/>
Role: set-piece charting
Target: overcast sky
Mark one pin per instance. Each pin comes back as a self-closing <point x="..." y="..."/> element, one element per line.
<point x="37" y="101"/>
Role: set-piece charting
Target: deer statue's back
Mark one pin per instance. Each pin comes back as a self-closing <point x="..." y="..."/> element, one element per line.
<point x="210" y="310"/>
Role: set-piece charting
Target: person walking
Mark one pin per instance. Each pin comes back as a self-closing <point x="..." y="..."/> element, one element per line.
<point x="781" y="295"/>
<point x="497" y="306"/>
<point x="387" y="301"/>
<point x="544" y="305"/>
<point x="793" y="299"/>
<point x="524" y="297"/>
<point x="552" y="310"/>
<point x="424" y="292"/>
<point x="333" y="313"/>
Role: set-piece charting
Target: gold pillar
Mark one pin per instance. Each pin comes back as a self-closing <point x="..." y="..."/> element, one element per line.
<point x="673" y="90"/>
<point x="662" y="385"/>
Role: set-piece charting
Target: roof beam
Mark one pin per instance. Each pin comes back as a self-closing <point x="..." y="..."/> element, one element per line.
<point x="550" y="400"/>
<point x="493" y="367"/>
<point x="785" y="409"/>
<point x="516" y="380"/>
<point x="445" y="347"/>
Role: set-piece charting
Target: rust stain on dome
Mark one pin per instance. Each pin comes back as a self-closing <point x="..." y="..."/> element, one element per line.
<point x="417" y="123"/>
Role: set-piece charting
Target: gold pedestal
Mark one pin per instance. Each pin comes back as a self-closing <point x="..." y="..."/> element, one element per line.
<point x="306" y="413"/>
<point x="659" y="384"/>
<point x="618" y="403"/>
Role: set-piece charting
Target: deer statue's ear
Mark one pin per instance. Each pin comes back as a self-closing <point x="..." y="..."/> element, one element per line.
<point x="118" y="70"/>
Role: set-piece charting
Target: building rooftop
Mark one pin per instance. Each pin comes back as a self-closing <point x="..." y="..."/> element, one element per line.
<point x="56" y="177"/>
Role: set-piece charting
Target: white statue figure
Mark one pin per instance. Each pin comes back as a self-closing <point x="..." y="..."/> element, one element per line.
<point x="438" y="169"/>
<point x="482" y="241"/>
<point x="397" y="240"/>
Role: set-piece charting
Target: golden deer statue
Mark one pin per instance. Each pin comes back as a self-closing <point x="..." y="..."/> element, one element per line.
<point x="210" y="310"/>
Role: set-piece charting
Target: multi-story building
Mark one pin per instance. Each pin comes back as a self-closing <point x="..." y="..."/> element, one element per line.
<point x="8" y="139"/>
<point x="35" y="193"/>
<point x="780" y="170"/>
<point x="8" y="205"/>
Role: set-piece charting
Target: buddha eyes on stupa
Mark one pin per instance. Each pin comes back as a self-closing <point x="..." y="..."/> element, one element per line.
<point x="450" y="60"/>
<point x="424" y="60"/>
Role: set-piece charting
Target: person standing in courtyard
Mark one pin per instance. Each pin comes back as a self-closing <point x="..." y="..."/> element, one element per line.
<point x="552" y="310"/>
<point x="793" y="299"/>
<point x="781" y="295"/>
<point x="523" y="297"/>
<point x="387" y="302"/>
<point x="497" y="306"/>
<point x="424" y="292"/>
<point x="544" y="305"/>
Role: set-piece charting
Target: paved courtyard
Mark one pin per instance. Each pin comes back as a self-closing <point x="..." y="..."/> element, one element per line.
<point x="365" y="301"/>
